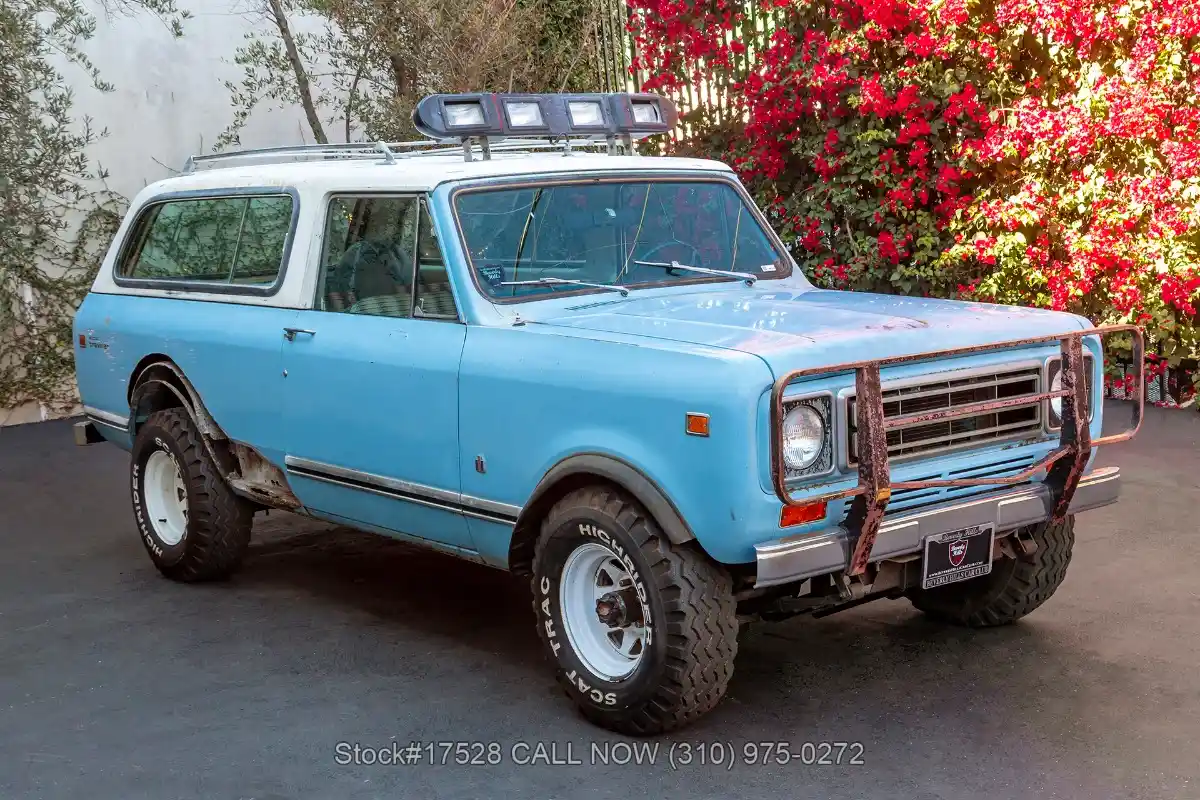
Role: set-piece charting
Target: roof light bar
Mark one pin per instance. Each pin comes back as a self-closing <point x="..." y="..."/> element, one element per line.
<point x="498" y="116"/>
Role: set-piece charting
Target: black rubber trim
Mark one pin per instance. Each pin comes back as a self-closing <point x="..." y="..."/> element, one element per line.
<point x="144" y="387"/>
<point x="192" y="403"/>
<point x="626" y="476"/>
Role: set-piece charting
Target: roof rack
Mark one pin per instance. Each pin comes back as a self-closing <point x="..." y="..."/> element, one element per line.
<point x="391" y="152"/>
<point x="506" y="122"/>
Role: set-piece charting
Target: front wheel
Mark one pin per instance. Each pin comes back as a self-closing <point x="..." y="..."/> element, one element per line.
<point x="1014" y="587"/>
<point x="643" y="634"/>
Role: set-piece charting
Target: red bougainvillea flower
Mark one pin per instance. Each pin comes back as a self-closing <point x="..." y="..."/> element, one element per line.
<point x="908" y="145"/>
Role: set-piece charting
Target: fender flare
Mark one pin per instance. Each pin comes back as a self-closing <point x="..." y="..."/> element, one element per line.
<point x="623" y="474"/>
<point x="150" y="377"/>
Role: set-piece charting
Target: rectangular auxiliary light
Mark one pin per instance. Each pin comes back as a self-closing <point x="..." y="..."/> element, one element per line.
<point x="802" y="515"/>
<point x="464" y="115"/>
<point x="524" y="114"/>
<point x="586" y="113"/>
<point x="643" y="114"/>
<point x="646" y="112"/>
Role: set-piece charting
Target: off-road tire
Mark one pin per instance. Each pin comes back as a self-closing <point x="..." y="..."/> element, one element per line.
<point x="218" y="521"/>
<point x="1014" y="587"/>
<point x="686" y="668"/>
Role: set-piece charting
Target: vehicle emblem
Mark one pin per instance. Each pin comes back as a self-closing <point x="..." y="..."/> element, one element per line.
<point x="958" y="551"/>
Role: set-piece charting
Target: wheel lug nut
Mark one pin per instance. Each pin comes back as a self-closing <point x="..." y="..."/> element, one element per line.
<point x="610" y="609"/>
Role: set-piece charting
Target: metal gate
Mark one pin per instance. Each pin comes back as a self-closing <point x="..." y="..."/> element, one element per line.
<point x="706" y="91"/>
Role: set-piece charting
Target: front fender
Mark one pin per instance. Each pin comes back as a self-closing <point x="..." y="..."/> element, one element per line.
<point x="538" y="402"/>
<point x="623" y="474"/>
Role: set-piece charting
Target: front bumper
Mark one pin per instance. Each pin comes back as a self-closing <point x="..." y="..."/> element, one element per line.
<point x="795" y="558"/>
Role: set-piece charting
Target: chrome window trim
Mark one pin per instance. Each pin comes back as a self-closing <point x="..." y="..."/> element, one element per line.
<point x="407" y="491"/>
<point x="843" y="408"/>
<point x="171" y="287"/>
<point x="834" y="429"/>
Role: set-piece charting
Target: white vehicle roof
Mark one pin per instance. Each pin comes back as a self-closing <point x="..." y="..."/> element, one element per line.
<point x="414" y="174"/>
<point x="364" y="173"/>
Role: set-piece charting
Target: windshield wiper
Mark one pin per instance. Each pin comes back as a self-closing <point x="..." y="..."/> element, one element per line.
<point x="745" y="276"/>
<point x="537" y="198"/>
<point x="565" y="282"/>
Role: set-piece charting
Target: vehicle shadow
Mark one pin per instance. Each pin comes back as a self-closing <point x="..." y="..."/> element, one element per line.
<point x="871" y="674"/>
<point x="425" y="593"/>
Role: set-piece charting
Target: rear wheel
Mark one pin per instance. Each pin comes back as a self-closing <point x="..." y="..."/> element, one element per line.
<point x="1014" y="587"/>
<point x="192" y="524"/>
<point x="643" y="633"/>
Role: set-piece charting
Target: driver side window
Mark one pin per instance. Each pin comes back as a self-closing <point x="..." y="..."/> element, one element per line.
<point x="381" y="257"/>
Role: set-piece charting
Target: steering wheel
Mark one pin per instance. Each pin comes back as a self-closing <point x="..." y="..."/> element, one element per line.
<point x="650" y="256"/>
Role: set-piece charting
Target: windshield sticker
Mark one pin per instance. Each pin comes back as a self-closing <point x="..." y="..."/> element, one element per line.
<point x="767" y="268"/>
<point x="493" y="274"/>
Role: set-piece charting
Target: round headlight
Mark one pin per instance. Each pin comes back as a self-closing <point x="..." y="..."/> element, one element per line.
<point x="1056" y="386"/>
<point x="803" y="437"/>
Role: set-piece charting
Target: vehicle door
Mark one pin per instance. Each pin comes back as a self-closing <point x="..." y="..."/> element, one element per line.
<point x="371" y="386"/>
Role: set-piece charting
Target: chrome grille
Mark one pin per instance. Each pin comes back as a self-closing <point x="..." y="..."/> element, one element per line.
<point x="1022" y="421"/>
<point x="910" y="500"/>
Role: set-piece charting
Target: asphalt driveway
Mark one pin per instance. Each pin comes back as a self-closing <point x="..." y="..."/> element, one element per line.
<point x="116" y="683"/>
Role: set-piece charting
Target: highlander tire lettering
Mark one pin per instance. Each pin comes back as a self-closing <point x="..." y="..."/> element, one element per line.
<point x="587" y="529"/>
<point x="143" y="528"/>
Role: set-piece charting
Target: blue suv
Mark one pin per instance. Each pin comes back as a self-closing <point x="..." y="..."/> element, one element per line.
<point x="521" y="343"/>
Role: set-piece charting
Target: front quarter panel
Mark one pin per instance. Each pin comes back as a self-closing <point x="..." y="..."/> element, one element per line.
<point x="533" y="395"/>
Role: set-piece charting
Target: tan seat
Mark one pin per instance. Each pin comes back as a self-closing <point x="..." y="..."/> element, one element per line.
<point x="437" y="298"/>
<point x="384" y="305"/>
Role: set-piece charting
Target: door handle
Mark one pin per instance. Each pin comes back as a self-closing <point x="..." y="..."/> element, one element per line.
<point x="290" y="333"/>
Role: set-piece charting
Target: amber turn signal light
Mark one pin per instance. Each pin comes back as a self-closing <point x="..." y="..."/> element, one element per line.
<point x="697" y="424"/>
<point x="801" y="515"/>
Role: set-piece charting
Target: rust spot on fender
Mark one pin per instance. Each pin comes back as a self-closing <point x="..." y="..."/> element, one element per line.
<point x="261" y="480"/>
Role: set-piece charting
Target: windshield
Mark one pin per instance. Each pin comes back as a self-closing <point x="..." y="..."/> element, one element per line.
<point x="613" y="233"/>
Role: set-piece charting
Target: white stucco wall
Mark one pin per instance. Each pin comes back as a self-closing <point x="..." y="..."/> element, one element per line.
<point x="170" y="100"/>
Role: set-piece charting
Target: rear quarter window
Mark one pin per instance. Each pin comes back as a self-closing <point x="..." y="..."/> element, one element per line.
<point x="231" y="244"/>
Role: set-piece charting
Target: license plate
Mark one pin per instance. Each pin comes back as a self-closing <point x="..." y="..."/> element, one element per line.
<point x="957" y="555"/>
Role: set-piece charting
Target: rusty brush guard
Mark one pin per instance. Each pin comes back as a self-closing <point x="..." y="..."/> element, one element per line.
<point x="1064" y="465"/>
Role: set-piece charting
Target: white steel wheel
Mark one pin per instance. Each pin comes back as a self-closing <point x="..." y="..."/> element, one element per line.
<point x="603" y="617"/>
<point x="165" y="497"/>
